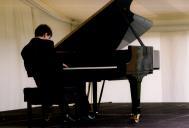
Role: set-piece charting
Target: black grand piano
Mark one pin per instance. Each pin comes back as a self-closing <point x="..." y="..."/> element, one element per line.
<point x="95" y="50"/>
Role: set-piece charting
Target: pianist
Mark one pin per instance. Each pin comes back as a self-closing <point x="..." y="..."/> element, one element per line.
<point x="40" y="63"/>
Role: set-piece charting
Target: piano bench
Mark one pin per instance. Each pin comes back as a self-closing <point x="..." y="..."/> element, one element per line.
<point x="33" y="96"/>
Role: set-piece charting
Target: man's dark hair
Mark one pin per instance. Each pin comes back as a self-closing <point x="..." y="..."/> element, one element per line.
<point x="42" y="29"/>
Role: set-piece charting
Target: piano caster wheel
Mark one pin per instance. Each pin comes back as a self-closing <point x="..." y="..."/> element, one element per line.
<point x="135" y="118"/>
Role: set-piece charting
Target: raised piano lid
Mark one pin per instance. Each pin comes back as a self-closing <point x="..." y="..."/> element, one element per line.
<point x="105" y="30"/>
<point x="140" y="25"/>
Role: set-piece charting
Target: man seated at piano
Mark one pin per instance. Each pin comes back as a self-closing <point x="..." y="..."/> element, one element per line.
<point x="40" y="63"/>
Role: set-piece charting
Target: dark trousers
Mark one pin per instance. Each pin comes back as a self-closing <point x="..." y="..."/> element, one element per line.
<point x="76" y="93"/>
<point x="64" y="90"/>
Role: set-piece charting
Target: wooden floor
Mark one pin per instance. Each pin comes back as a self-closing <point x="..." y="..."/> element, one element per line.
<point x="154" y="115"/>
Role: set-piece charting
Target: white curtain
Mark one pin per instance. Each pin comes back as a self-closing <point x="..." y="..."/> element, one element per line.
<point x="17" y="24"/>
<point x="16" y="28"/>
<point x="174" y="66"/>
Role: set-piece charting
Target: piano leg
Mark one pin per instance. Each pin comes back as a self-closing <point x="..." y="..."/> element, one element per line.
<point x="94" y="84"/>
<point x="135" y="86"/>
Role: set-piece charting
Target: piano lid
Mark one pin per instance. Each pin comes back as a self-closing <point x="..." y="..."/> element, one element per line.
<point x="105" y="30"/>
<point x="140" y="25"/>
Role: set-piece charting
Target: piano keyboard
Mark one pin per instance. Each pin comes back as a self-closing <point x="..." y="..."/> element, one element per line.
<point x="90" y="68"/>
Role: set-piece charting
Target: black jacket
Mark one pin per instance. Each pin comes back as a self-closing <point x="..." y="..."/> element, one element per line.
<point x="39" y="57"/>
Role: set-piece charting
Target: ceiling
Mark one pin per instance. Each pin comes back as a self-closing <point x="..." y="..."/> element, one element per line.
<point x="159" y="11"/>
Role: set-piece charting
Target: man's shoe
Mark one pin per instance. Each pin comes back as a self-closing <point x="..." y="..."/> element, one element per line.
<point x="91" y="117"/>
<point x="48" y="117"/>
<point x="86" y="118"/>
<point x="68" y="118"/>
